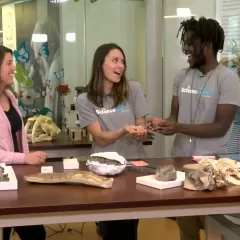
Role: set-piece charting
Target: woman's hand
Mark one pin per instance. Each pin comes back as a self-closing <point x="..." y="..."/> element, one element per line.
<point x="35" y="158"/>
<point x="137" y="131"/>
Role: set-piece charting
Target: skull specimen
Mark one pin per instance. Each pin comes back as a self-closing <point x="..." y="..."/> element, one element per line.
<point x="202" y="177"/>
<point x="41" y="128"/>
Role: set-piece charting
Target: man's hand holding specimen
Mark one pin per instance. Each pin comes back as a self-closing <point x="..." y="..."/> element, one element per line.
<point x="165" y="127"/>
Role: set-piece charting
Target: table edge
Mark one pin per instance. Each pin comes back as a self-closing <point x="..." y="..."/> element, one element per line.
<point x="119" y="205"/>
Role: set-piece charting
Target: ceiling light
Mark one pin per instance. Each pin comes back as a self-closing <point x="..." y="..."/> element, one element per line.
<point x="39" y="37"/>
<point x="181" y="13"/>
<point x="71" y="37"/>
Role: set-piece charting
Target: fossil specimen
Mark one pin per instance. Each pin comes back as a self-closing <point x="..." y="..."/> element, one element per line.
<point x="82" y="177"/>
<point x="106" y="163"/>
<point x="3" y="177"/>
<point x="166" y="173"/>
<point x="151" y="126"/>
<point x="154" y="125"/>
<point x="199" y="177"/>
<point x="209" y="174"/>
<point x="224" y="168"/>
<point x="41" y="128"/>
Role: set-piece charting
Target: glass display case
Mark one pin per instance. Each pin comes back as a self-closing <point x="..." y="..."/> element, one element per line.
<point x="54" y="43"/>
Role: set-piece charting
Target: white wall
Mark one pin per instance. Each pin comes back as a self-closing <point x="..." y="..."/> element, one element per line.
<point x="173" y="59"/>
<point x="121" y="22"/>
<point x="154" y="68"/>
<point x="9" y="26"/>
<point x="71" y="20"/>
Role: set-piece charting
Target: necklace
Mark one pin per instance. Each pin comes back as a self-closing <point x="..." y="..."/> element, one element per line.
<point x="200" y="95"/>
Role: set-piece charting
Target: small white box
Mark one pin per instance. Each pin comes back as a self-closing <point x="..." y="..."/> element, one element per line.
<point x="47" y="169"/>
<point x="90" y="137"/>
<point x="151" y="181"/>
<point x="12" y="184"/>
<point x="70" y="163"/>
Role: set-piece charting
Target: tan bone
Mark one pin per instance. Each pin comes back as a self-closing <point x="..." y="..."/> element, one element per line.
<point x="41" y="128"/>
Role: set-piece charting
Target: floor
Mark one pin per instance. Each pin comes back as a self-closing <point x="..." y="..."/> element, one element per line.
<point x="154" y="229"/>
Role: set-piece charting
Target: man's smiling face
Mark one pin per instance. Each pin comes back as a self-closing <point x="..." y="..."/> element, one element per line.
<point x="193" y="49"/>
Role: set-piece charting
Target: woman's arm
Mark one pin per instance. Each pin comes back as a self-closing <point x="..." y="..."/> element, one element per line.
<point x="139" y="103"/>
<point x="104" y="138"/>
<point x="11" y="157"/>
<point x="88" y="118"/>
<point x="23" y="157"/>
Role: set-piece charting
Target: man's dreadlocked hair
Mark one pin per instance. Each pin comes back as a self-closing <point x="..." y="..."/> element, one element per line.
<point x="207" y="30"/>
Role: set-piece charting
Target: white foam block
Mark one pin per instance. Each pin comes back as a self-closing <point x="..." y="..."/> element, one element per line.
<point x="151" y="181"/>
<point x="47" y="169"/>
<point x="12" y="184"/>
<point x="70" y="163"/>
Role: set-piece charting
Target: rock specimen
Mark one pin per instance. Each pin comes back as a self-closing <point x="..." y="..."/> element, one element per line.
<point x="166" y="173"/>
<point x="103" y="160"/>
<point x="106" y="163"/>
<point x="151" y="126"/>
<point x="41" y="128"/>
<point x="82" y="177"/>
<point x="154" y="125"/>
<point x="3" y="177"/>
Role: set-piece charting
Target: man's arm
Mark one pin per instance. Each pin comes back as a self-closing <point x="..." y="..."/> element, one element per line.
<point x="224" y="117"/>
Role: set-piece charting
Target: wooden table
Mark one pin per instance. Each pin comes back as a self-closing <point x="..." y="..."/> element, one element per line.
<point x="49" y="204"/>
<point x="63" y="146"/>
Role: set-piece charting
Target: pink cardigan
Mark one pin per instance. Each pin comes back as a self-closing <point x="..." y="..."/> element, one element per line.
<point x="7" y="154"/>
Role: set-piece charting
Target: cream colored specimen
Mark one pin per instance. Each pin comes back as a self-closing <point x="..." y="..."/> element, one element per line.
<point x="41" y="128"/>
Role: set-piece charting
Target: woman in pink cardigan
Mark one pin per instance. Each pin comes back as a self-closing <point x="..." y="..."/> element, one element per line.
<point x="13" y="139"/>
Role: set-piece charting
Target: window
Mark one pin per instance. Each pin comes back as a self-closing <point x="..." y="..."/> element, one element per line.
<point x="54" y="43"/>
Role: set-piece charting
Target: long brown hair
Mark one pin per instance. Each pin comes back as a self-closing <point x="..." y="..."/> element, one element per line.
<point x="95" y="85"/>
<point x="3" y="51"/>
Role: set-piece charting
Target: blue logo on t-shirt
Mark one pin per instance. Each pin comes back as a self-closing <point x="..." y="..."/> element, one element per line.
<point x="205" y="92"/>
<point x="200" y="91"/>
<point x="122" y="108"/>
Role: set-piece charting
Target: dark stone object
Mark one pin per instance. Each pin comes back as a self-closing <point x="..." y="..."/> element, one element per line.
<point x="103" y="160"/>
<point x="166" y="173"/>
<point x="3" y="177"/>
